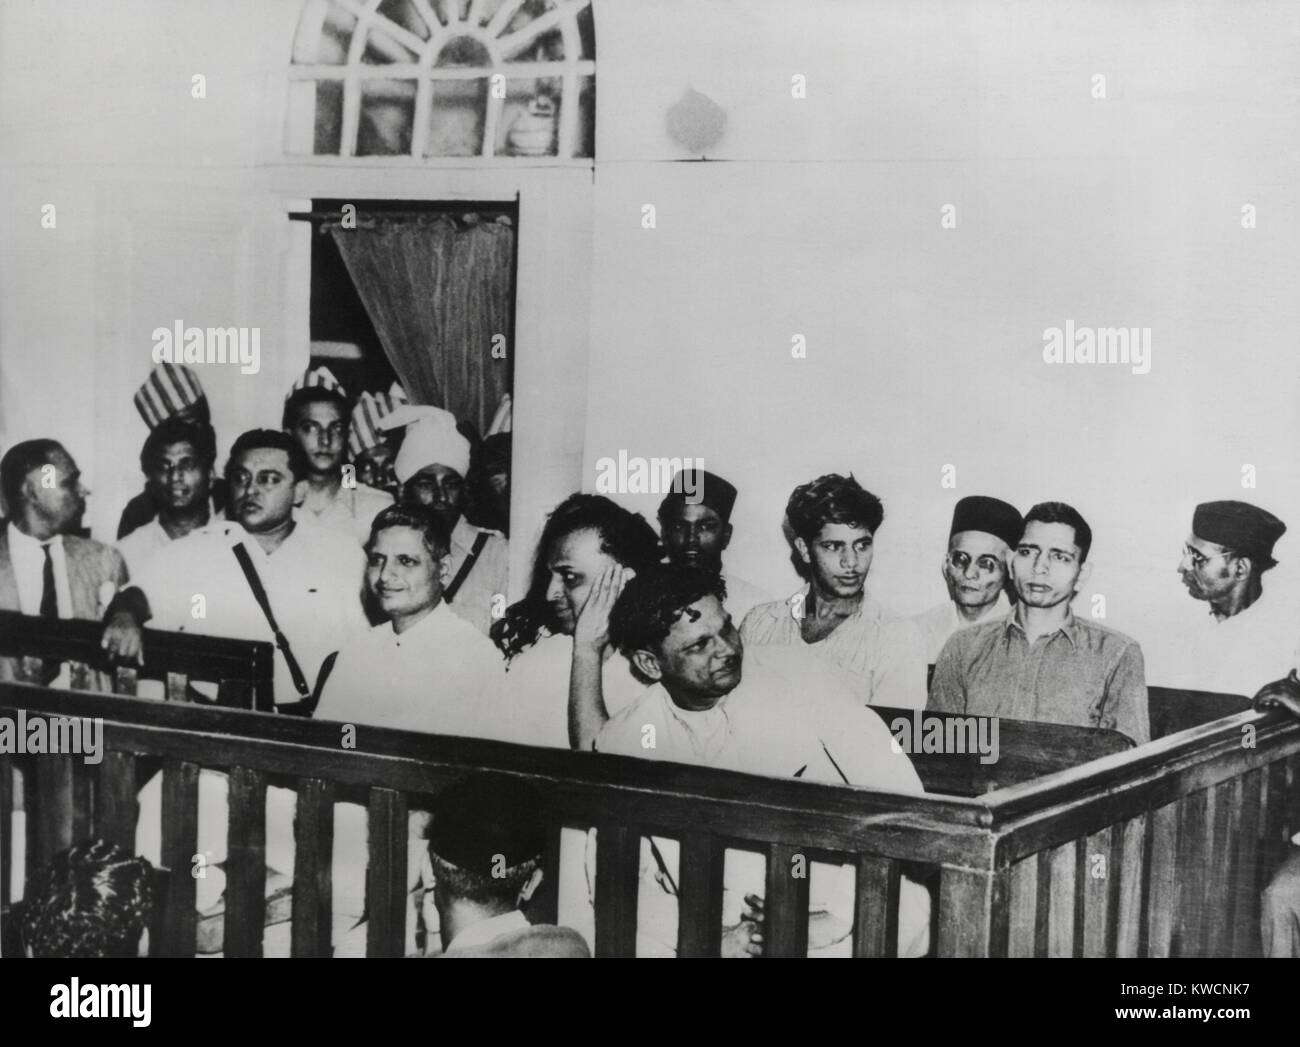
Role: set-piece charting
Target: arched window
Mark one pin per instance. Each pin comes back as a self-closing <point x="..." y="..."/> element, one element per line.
<point x="444" y="78"/>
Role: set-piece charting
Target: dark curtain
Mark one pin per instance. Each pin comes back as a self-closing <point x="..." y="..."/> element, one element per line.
<point x="438" y="289"/>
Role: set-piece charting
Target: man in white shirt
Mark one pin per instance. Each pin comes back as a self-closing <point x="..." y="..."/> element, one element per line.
<point x="983" y="533"/>
<point x="316" y="414"/>
<point x="834" y="523"/>
<point x="177" y="461"/>
<point x="1244" y="638"/>
<point x="45" y="568"/>
<point x="773" y="711"/>
<point x="695" y="525"/>
<point x="312" y="576"/>
<point x="432" y="467"/>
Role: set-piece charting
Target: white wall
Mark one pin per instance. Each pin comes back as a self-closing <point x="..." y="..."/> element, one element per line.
<point x="925" y="344"/>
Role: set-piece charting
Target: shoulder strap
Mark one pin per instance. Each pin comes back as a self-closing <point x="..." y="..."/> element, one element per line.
<point x="480" y="540"/>
<point x="281" y="641"/>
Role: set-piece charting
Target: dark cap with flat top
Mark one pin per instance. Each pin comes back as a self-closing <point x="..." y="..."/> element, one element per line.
<point x="483" y="816"/>
<point x="701" y="488"/>
<point x="1244" y="528"/>
<point x="993" y="516"/>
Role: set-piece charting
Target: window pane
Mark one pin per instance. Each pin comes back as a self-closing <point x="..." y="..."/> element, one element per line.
<point x="529" y="118"/>
<point x="403" y="13"/>
<point x="456" y="117"/>
<point x="586" y="144"/>
<point x="336" y="35"/>
<point x="463" y="52"/>
<point x="387" y="116"/>
<point x="381" y="49"/>
<point x="329" y="117"/>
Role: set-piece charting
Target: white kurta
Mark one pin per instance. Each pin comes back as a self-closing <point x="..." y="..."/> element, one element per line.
<point x="485" y="587"/>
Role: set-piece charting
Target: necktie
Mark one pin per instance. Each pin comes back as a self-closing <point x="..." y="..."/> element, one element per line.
<point x="49" y="609"/>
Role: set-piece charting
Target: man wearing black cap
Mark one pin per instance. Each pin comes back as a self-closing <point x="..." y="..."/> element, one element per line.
<point x="485" y="856"/>
<point x="974" y="569"/>
<point x="696" y="530"/>
<point x="1244" y="641"/>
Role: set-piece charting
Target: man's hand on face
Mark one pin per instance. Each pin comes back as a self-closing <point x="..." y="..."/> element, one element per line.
<point x="1280" y="694"/>
<point x="592" y="627"/>
<point x="124" y="638"/>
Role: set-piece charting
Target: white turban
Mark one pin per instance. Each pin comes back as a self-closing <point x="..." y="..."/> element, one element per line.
<point x="431" y="439"/>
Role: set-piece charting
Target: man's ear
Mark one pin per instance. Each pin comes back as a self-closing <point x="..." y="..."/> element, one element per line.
<point x="1085" y="572"/>
<point x="444" y="570"/>
<point x="801" y="547"/>
<point x="726" y="537"/>
<point x="299" y="492"/>
<point x="1242" y="566"/>
<point x="647" y="664"/>
<point x="534" y="881"/>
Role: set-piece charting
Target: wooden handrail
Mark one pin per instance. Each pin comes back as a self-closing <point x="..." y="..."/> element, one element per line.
<point x="167" y="655"/>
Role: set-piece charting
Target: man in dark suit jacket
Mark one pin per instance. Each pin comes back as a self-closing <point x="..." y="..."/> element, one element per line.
<point x="45" y="568"/>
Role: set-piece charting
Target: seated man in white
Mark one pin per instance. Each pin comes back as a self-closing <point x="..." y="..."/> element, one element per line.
<point x="775" y="711"/>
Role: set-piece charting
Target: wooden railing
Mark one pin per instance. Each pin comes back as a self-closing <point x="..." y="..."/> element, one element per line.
<point x="241" y="669"/>
<point x="1189" y="828"/>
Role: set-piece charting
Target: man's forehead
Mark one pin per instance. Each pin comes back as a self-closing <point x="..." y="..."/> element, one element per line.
<point x="1205" y="548"/>
<point x="258" y="458"/>
<point x="701" y="618"/>
<point x="179" y="449"/>
<point x="840" y="532"/>
<point x="323" y="411"/>
<point x="679" y="509"/>
<point x="977" y="543"/>
<point x="1049" y="535"/>
<point x="61" y="461"/>
<point x="437" y="472"/>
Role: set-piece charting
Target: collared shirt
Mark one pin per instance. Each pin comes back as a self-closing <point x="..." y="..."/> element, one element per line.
<point x="1238" y="655"/>
<point x="742" y="597"/>
<point x="28" y="557"/>
<point x="351" y="510"/>
<point x="885" y="655"/>
<point x="484" y="931"/>
<point x="534" y="703"/>
<point x="438" y="676"/>
<point x="487" y="579"/>
<point x="791" y="715"/>
<point x="147" y="539"/>
<point x="939" y="623"/>
<point x="312" y="581"/>
<point x="1082" y="673"/>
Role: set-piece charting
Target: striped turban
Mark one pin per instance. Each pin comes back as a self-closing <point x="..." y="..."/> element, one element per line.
<point x="169" y="389"/>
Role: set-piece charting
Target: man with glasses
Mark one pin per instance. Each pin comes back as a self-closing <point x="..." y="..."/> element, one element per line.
<point x="1041" y="662"/>
<point x="1244" y="640"/>
<point x="316" y="415"/>
<point x="432" y="468"/>
<point x="974" y="570"/>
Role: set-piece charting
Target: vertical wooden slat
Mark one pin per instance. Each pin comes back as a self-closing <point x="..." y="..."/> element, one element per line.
<point x="116" y="808"/>
<point x="973" y="918"/>
<point x="618" y="873"/>
<point x="1162" y="889"/>
<point x="1097" y="911"/>
<point x="1274" y="817"/>
<point x="1127" y="849"/>
<point x="178" y="687"/>
<point x="1023" y="907"/>
<point x="1194" y="818"/>
<point x="1221" y="888"/>
<point x="51" y="803"/>
<point x="313" y="878"/>
<point x="1246" y="886"/>
<point x="544" y="905"/>
<point x="386" y="876"/>
<point x="1043" y="903"/>
<point x="1062" y="936"/>
<point x="83" y="801"/>
<point x="180" y="834"/>
<point x="785" y="906"/>
<point x="875" y="908"/>
<point x="245" y="864"/>
<point x="125" y="680"/>
<point x="6" y="828"/>
<point x="699" y="902"/>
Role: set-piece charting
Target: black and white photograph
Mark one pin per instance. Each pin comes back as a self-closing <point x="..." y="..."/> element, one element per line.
<point x="651" y="478"/>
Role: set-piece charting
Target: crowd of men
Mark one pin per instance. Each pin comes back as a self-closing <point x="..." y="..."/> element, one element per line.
<point x="366" y="538"/>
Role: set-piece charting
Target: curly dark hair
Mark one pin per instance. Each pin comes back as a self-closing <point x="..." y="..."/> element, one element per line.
<point x="624" y="535"/>
<point x="1059" y="512"/>
<point x="651" y="602"/>
<point x="91" y="900"/>
<point x="832" y="499"/>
